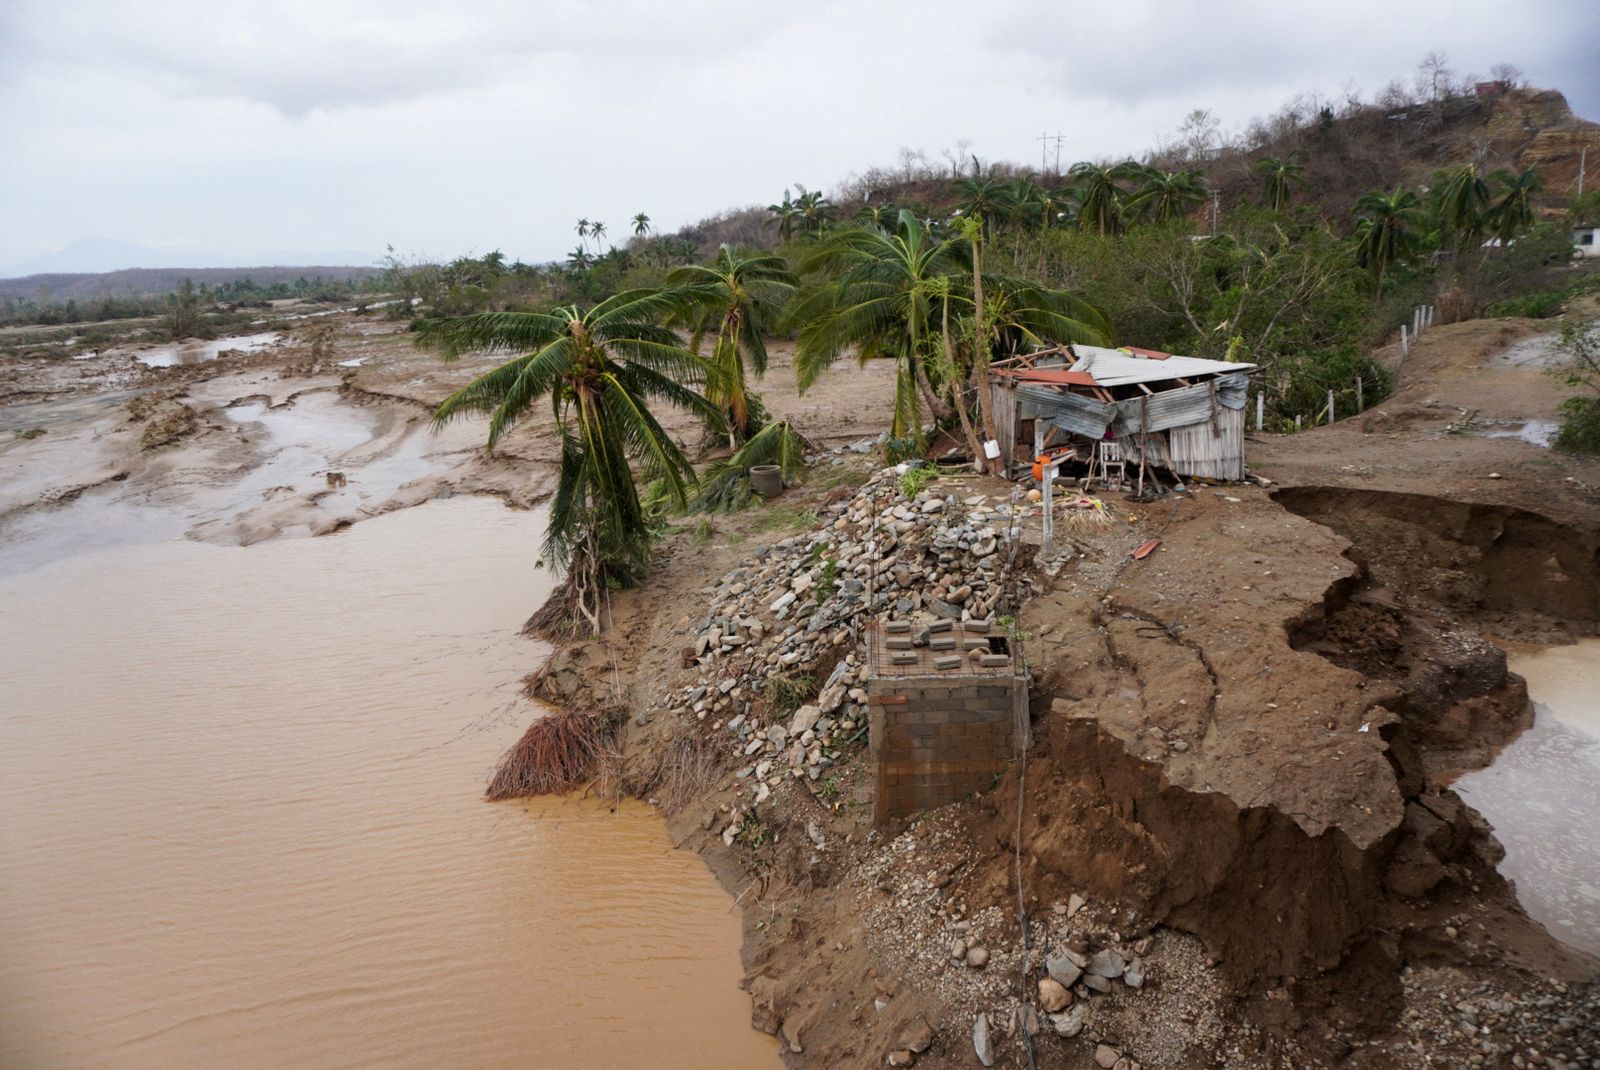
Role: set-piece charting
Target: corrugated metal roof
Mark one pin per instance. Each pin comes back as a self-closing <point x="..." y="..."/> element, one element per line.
<point x="1051" y="376"/>
<point x="1111" y="367"/>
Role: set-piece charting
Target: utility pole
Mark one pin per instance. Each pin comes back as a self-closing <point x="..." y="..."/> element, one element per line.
<point x="1044" y="151"/>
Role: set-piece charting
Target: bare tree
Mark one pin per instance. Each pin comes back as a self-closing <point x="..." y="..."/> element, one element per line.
<point x="1199" y="134"/>
<point x="957" y="157"/>
<point x="1434" y="76"/>
<point x="1509" y="73"/>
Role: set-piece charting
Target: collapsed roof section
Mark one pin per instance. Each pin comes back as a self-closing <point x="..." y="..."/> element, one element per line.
<point x="1129" y="395"/>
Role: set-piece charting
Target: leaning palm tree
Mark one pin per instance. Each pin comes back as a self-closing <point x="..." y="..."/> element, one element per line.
<point x="880" y="298"/>
<point x="1164" y="196"/>
<point x="597" y="230"/>
<point x="601" y="370"/>
<point x="1386" y="231"/>
<point x="583" y="232"/>
<point x="1464" y="205"/>
<point x="641" y="225"/>
<point x="1280" y="178"/>
<point x="738" y="299"/>
<point x="1513" y="213"/>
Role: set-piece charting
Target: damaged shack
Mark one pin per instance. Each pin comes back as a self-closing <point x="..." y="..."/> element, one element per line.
<point x="1116" y="409"/>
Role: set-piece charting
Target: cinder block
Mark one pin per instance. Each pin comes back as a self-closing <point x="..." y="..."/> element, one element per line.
<point x="897" y="643"/>
<point x="896" y="626"/>
<point x="949" y="661"/>
<point x="941" y="626"/>
<point x="911" y="659"/>
<point x="947" y="642"/>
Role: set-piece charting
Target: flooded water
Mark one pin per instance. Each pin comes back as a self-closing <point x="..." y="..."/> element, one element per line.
<point x="198" y="352"/>
<point x="243" y="824"/>
<point x="1542" y="794"/>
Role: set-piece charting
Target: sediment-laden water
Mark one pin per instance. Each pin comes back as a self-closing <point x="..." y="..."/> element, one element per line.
<point x="1542" y="794"/>
<point x="243" y="826"/>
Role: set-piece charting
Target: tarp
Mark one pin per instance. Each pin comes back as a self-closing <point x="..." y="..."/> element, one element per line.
<point x="1111" y="367"/>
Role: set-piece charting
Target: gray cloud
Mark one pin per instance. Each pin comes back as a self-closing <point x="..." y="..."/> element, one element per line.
<point x="490" y="123"/>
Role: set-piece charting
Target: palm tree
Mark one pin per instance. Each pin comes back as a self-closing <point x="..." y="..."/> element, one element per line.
<point x="879" y="298"/>
<point x="1386" y="231"/>
<point x="641" y="225"/>
<point x="815" y="209"/>
<point x="601" y="369"/>
<point x="1099" y="196"/>
<point x="597" y="230"/>
<point x="1513" y="213"/>
<point x="1164" y="196"/>
<point x="982" y="198"/>
<point x="1023" y="197"/>
<point x="739" y="299"/>
<point x="1052" y="207"/>
<point x="583" y="232"/>
<point x="579" y="259"/>
<point x="785" y="214"/>
<point x="1280" y="178"/>
<point x="1464" y="204"/>
<point x="878" y="215"/>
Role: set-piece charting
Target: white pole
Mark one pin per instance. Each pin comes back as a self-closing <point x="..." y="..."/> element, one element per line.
<point x="1361" y="405"/>
<point x="1330" y="406"/>
<point x="1430" y="315"/>
<point x="1405" y="346"/>
<point x="1049" y="473"/>
<point x="1260" y="408"/>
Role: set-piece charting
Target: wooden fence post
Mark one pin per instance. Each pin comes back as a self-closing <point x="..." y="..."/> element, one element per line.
<point x="1361" y="405"/>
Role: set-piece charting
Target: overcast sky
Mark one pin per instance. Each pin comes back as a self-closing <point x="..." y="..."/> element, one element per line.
<point x="211" y="129"/>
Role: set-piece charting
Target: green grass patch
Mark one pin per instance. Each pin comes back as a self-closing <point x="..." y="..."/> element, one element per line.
<point x="786" y="518"/>
<point x="913" y="480"/>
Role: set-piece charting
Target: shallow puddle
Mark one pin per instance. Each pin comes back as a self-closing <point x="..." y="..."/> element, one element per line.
<point x="244" y="827"/>
<point x="1542" y="794"/>
<point x="198" y="352"/>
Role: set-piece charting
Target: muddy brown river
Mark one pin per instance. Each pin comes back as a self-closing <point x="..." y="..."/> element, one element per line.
<point x="243" y="826"/>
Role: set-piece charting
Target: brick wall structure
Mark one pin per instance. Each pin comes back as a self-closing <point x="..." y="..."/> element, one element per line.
<point x="936" y="737"/>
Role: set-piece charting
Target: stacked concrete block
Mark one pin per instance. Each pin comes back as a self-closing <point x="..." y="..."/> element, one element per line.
<point x="935" y="739"/>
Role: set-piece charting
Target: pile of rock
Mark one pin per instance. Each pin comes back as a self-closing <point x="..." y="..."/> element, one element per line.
<point x="798" y="608"/>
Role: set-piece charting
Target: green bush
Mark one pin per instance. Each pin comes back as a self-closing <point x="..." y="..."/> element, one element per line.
<point x="1580" y="426"/>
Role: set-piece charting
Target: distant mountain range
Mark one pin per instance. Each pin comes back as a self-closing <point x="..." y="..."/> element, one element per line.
<point x="97" y="255"/>
<point x="143" y="282"/>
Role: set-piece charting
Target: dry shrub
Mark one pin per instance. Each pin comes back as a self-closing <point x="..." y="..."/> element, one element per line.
<point x="682" y="771"/>
<point x="557" y="753"/>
